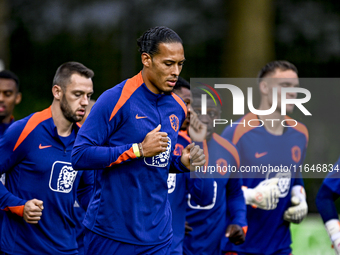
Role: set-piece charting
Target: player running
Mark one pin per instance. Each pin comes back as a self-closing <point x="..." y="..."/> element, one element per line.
<point x="128" y="138"/>
<point x="10" y="96"/>
<point x="41" y="184"/>
<point x="275" y="145"/>
<point x="328" y="193"/>
<point x="226" y="215"/>
<point x="180" y="185"/>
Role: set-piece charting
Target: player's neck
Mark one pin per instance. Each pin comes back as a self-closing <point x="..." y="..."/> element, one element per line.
<point x="272" y="122"/>
<point x="6" y="119"/>
<point x="148" y="83"/>
<point x="64" y="126"/>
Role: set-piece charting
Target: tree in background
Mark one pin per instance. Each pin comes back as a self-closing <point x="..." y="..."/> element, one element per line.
<point x="4" y="34"/>
<point x="249" y="41"/>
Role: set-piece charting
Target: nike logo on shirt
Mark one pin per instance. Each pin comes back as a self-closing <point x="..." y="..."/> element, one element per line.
<point x="44" y="147"/>
<point x="140" y="117"/>
<point x="259" y="155"/>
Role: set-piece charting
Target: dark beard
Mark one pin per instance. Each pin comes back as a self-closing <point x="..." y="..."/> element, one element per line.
<point x="67" y="112"/>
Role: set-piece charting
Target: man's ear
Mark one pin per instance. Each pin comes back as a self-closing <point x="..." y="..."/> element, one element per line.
<point x="146" y="59"/>
<point x="18" y="98"/>
<point x="264" y="87"/>
<point x="57" y="92"/>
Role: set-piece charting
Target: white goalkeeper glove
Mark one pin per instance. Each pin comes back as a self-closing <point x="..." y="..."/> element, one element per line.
<point x="333" y="230"/>
<point x="264" y="196"/>
<point x="299" y="209"/>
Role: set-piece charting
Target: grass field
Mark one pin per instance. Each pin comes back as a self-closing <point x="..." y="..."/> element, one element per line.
<point x="310" y="237"/>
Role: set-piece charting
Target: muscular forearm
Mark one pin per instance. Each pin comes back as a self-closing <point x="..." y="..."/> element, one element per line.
<point x="87" y="157"/>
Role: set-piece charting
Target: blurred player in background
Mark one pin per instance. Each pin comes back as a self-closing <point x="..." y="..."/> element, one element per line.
<point x="9" y="98"/>
<point x="41" y="184"/>
<point x="129" y="138"/>
<point x="180" y="185"/>
<point x="276" y="198"/>
<point x="226" y="215"/>
<point x="78" y="210"/>
<point x="328" y="193"/>
<point x="88" y="109"/>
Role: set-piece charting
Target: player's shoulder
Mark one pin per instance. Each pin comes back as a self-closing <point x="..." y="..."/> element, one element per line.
<point x="224" y="142"/>
<point x="125" y="88"/>
<point x="29" y="126"/>
<point x="241" y="127"/>
<point x="334" y="171"/>
<point x="31" y="121"/>
<point x="114" y="92"/>
<point x="228" y="146"/>
<point x="20" y="124"/>
<point x="179" y="101"/>
<point x="334" y="175"/>
<point x="332" y="180"/>
<point x="116" y="98"/>
<point x="297" y="126"/>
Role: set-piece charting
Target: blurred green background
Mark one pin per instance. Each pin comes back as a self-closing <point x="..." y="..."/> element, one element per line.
<point x="221" y="39"/>
<point x="310" y="237"/>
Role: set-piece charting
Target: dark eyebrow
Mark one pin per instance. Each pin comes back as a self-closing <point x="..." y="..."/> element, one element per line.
<point x="172" y="61"/>
<point x="82" y="92"/>
<point x="288" y="83"/>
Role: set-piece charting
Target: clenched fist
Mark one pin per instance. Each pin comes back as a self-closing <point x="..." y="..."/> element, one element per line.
<point x="33" y="211"/>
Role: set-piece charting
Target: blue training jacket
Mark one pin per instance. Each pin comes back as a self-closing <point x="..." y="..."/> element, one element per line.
<point x="210" y="222"/>
<point x="268" y="232"/>
<point x="38" y="165"/>
<point x="130" y="202"/>
<point x="180" y="185"/>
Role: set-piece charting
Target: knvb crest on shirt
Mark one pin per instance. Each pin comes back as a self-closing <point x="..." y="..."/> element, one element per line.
<point x="222" y="163"/>
<point x="296" y="154"/>
<point x="62" y="177"/>
<point x="178" y="149"/>
<point x="160" y="160"/>
<point x="174" y="122"/>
